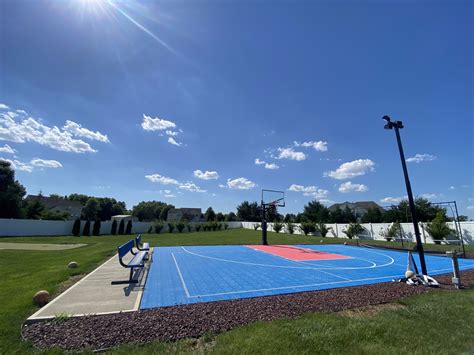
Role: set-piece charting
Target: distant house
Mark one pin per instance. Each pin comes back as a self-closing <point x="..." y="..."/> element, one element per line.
<point x="357" y="208"/>
<point x="58" y="205"/>
<point x="188" y="214"/>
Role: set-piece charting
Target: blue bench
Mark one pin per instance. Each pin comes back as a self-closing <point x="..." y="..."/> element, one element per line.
<point x="139" y="245"/>
<point x="137" y="262"/>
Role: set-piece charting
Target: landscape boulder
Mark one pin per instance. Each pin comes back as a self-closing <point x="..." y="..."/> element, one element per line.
<point x="41" y="298"/>
<point x="72" y="265"/>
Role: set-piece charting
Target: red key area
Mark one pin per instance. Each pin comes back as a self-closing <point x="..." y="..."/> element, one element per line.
<point x="295" y="253"/>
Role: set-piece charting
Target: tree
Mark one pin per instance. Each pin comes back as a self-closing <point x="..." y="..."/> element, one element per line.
<point x="307" y="227"/>
<point x="78" y="197"/>
<point x="220" y="217"/>
<point x="231" y="217"/>
<point x="34" y="209"/>
<point x="113" y="231"/>
<point x="128" y="230"/>
<point x="438" y="229"/>
<point x="11" y="192"/>
<point x="249" y="212"/>
<point x="290" y="217"/>
<point x="96" y="227"/>
<point x="353" y="230"/>
<point x="348" y="216"/>
<point x="87" y="228"/>
<point x="373" y="215"/>
<point x="322" y="229"/>
<point x="151" y="210"/>
<point x="210" y="215"/>
<point x="76" y="227"/>
<point x="316" y="212"/>
<point x="336" y="216"/>
<point x="277" y="227"/>
<point x="91" y="209"/>
<point x="121" y="229"/>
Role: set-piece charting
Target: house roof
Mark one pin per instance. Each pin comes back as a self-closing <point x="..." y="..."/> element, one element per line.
<point x="52" y="202"/>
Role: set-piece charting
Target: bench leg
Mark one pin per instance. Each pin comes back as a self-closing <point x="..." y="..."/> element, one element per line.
<point x="129" y="281"/>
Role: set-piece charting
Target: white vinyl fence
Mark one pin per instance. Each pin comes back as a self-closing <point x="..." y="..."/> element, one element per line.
<point x="33" y="227"/>
<point x="373" y="231"/>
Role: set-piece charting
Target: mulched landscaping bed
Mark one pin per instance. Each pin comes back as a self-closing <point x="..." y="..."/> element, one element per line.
<point x="191" y="321"/>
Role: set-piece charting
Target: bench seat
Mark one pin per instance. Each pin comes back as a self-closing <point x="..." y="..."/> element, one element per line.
<point x="137" y="261"/>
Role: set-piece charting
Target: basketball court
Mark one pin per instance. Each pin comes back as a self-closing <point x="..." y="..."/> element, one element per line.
<point x="191" y="274"/>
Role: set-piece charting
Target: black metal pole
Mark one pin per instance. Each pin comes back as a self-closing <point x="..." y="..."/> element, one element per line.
<point x="419" y="245"/>
<point x="264" y="226"/>
<point x="458" y="224"/>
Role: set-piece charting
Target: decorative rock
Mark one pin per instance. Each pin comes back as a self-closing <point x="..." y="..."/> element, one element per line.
<point x="321" y="241"/>
<point x="345" y="243"/>
<point x="41" y="298"/>
<point x="409" y="274"/>
<point x="72" y="265"/>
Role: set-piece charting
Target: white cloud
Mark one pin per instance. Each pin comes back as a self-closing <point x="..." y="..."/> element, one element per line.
<point x="271" y="166"/>
<point x="309" y="190"/>
<point x="452" y="188"/>
<point x="171" y="140"/>
<point x="46" y="163"/>
<point x="259" y="162"/>
<point x="349" y="186"/>
<point x="470" y="207"/>
<point x="207" y="175"/>
<point x="290" y="153"/>
<point x="7" y="149"/>
<point x="320" y="146"/>
<point x="33" y="130"/>
<point x="171" y="133"/>
<point x="18" y="165"/>
<point x="22" y="112"/>
<point x="3" y="107"/>
<point x="418" y="158"/>
<point x="162" y="179"/>
<point x="156" y="124"/>
<point x="222" y="186"/>
<point x="240" y="184"/>
<point x="77" y="130"/>
<point x="393" y="199"/>
<point x="351" y="169"/>
<point x="190" y="186"/>
<point x="170" y="195"/>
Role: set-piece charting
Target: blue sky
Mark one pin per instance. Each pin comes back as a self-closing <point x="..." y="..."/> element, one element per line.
<point x="204" y="103"/>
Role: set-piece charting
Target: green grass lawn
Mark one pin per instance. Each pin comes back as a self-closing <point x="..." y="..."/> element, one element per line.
<point x="444" y="319"/>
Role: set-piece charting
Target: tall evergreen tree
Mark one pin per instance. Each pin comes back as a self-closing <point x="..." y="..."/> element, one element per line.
<point x="87" y="228"/>
<point x="96" y="227"/>
<point x="113" y="231"/>
<point x="76" y="227"/>
<point x="121" y="228"/>
<point x="128" y="230"/>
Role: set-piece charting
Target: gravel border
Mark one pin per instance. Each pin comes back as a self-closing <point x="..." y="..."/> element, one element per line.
<point x="194" y="320"/>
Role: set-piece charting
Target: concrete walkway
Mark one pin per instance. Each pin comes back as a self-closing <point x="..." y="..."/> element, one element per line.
<point x="94" y="294"/>
<point x="35" y="246"/>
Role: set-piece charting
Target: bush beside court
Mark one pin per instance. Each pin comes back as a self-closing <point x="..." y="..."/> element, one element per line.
<point x="26" y="272"/>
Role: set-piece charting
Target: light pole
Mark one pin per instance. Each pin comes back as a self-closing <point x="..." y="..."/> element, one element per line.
<point x="397" y="125"/>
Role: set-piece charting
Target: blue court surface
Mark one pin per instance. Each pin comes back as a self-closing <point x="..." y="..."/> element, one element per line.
<point x="183" y="275"/>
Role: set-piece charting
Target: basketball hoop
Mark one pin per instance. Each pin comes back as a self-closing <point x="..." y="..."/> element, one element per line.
<point x="272" y="198"/>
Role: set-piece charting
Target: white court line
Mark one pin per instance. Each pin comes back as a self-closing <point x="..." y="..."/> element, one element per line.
<point x="181" y="276"/>
<point x="308" y="285"/>
<point x="293" y="267"/>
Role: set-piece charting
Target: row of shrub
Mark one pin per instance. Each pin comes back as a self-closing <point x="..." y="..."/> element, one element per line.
<point x="438" y="229"/>
<point x="181" y="227"/>
<point x="117" y="228"/>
